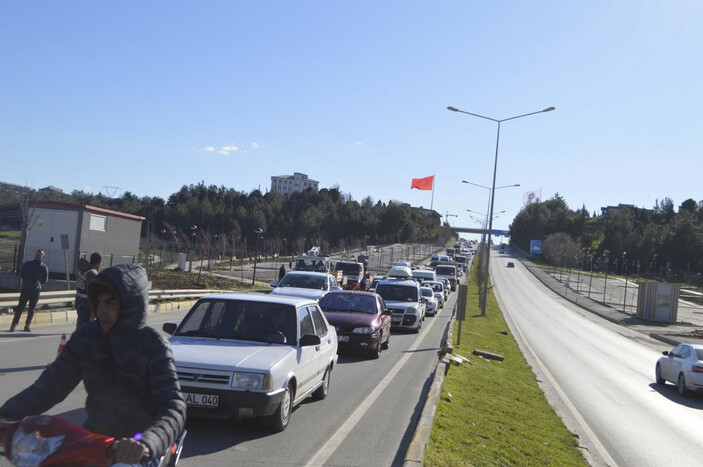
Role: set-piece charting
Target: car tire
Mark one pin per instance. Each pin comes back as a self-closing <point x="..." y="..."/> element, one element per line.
<point x="681" y="385"/>
<point x="387" y="344"/>
<point x="375" y="353"/>
<point x="321" y="392"/>
<point x="417" y="328"/>
<point x="280" y="418"/>
<point x="658" y="376"/>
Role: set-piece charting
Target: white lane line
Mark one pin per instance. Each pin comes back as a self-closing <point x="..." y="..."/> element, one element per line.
<point x="567" y="402"/>
<point x="339" y="436"/>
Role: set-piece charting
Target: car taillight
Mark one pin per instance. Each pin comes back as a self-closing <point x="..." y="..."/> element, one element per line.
<point x="697" y="369"/>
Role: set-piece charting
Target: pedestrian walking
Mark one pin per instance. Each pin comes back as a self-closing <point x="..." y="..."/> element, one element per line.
<point x="281" y="272"/>
<point x="85" y="274"/>
<point x="32" y="275"/>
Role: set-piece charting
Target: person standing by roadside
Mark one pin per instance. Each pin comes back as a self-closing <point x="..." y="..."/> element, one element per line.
<point x="281" y="272"/>
<point x="33" y="274"/>
<point x="82" y="280"/>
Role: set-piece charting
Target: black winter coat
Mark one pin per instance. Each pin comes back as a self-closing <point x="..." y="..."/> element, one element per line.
<point x="128" y="373"/>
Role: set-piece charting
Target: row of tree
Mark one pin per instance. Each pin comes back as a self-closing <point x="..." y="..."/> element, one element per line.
<point x="658" y="241"/>
<point x="203" y="216"/>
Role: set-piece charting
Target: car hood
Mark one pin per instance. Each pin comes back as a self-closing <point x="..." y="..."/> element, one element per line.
<point x="225" y="354"/>
<point x="349" y="318"/>
<point x="315" y="294"/>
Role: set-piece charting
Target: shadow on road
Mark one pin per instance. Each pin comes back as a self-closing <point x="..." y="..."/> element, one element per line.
<point x="693" y="400"/>
<point x="207" y="436"/>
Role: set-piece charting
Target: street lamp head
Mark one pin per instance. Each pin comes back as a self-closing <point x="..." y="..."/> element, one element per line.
<point x="258" y="231"/>
<point x="549" y="109"/>
<point x="453" y="109"/>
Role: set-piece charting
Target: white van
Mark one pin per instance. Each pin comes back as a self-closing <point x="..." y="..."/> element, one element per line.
<point x="424" y="275"/>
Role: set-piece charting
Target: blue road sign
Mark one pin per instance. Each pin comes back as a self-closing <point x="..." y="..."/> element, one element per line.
<point x="536" y="247"/>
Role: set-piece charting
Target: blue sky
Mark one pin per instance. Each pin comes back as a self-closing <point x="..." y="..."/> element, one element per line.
<point x="151" y="96"/>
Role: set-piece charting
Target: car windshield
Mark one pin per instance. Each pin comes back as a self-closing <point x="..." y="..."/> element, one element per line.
<point x="446" y="270"/>
<point x="397" y="293"/>
<point x="349" y="269"/>
<point x="426" y="292"/>
<point x="348" y="302"/>
<point x="304" y="281"/>
<point x="434" y="286"/>
<point x="272" y="323"/>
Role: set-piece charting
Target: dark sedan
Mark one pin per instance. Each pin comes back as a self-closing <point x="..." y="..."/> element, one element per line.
<point x="360" y="318"/>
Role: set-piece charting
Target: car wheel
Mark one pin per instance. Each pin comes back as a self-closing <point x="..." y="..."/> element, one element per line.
<point x="681" y="386"/>
<point x="387" y="343"/>
<point x="658" y="376"/>
<point x="417" y="329"/>
<point x="375" y="353"/>
<point x="280" y="418"/>
<point x="321" y="392"/>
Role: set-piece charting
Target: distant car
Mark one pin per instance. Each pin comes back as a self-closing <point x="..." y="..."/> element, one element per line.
<point x="248" y="355"/>
<point x="431" y="303"/>
<point x="360" y="319"/>
<point x="305" y="284"/>
<point x="510" y="264"/>
<point x="438" y="289"/>
<point x="682" y="366"/>
<point x="374" y="282"/>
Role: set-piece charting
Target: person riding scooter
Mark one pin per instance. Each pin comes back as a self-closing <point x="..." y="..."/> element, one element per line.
<point x="126" y="366"/>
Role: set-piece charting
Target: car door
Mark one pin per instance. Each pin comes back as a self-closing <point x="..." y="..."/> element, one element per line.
<point x="669" y="365"/>
<point x="308" y="356"/>
<point x="385" y="319"/>
<point x="328" y="341"/>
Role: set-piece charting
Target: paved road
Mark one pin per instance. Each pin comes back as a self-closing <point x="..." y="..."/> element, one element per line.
<point x="368" y="418"/>
<point x="599" y="376"/>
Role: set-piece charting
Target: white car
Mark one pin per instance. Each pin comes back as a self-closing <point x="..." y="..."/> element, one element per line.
<point x="683" y="366"/>
<point x="438" y="289"/>
<point x="403" y="298"/>
<point x="305" y="284"/>
<point x="247" y="355"/>
<point x="431" y="304"/>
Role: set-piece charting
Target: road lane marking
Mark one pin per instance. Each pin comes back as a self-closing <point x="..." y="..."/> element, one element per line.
<point x="326" y="451"/>
<point x="565" y="399"/>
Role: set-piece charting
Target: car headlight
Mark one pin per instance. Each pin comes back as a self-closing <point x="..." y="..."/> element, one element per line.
<point x="367" y="330"/>
<point x="412" y="310"/>
<point x="251" y="381"/>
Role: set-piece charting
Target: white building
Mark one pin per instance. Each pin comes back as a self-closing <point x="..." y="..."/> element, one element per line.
<point x="285" y="184"/>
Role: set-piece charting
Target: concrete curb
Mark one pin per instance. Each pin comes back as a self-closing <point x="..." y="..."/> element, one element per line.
<point x="418" y="446"/>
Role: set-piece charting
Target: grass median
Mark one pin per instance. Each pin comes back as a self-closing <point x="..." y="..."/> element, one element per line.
<point x="494" y="413"/>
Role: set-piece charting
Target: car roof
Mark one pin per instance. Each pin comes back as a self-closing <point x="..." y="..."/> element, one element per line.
<point x="404" y="282"/>
<point x="261" y="298"/>
<point x="309" y="273"/>
<point x="350" y="292"/>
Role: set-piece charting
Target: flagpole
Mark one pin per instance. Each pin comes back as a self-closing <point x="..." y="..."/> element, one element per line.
<point x="432" y="202"/>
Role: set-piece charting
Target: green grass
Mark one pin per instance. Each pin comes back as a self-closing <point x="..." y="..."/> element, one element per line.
<point x="11" y="235"/>
<point x="496" y="413"/>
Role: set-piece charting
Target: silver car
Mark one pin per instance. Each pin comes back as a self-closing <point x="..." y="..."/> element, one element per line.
<point x="682" y="366"/>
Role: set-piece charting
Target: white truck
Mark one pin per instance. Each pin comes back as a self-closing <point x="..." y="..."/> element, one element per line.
<point x="448" y="270"/>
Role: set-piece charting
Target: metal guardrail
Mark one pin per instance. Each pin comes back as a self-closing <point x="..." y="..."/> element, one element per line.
<point x="68" y="296"/>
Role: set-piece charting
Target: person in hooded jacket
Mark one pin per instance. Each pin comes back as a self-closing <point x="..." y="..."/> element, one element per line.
<point x="126" y="366"/>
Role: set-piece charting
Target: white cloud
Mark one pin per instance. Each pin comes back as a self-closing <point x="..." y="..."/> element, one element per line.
<point x="209" y="149"/>
<point x="357" y="143"/>
<point x="226" y="150"/>
<point x="88" y="188"/>
<point x="255" y="145"/>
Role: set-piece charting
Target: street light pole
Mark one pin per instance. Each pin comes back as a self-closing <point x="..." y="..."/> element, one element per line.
<point x="258" y="233"/>
<point x="495" y="169"/>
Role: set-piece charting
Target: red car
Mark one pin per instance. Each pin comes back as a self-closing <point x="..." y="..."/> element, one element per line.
<point x="360" y="318"/>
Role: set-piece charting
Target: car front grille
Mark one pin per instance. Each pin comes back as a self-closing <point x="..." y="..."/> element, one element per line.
<point x="205" y="377"/>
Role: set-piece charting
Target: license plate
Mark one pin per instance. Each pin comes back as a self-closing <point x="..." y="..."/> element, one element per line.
<point x="342" y="338"/>
<point x="201" y="400"/>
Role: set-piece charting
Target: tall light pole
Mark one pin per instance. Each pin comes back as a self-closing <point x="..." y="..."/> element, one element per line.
<point x="258" y="233"/>
<point x="495" y="169"/>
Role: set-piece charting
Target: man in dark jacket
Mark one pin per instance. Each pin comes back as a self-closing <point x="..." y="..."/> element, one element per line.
<point x="127" y="369"/>
<point x="33" y="274"/>
<point x="85" y="275"/>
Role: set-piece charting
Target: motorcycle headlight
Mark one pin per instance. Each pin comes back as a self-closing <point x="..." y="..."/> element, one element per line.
<point x="250" y="381"/>
<point x="32" y="448"/>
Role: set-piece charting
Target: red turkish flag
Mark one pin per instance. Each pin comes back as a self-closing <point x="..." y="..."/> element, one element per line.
<point x="422" y="183"/>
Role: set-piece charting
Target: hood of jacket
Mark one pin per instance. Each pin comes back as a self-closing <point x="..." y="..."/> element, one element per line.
<point x="130" y="283"/>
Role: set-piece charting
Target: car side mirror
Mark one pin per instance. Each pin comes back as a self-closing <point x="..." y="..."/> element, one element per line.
<point x="666" y="352"/>
<point x="169" y="328"/>
<point x="274" y="284"/>
<point x="387" y="312"/>
<point x="309" y="339"/>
